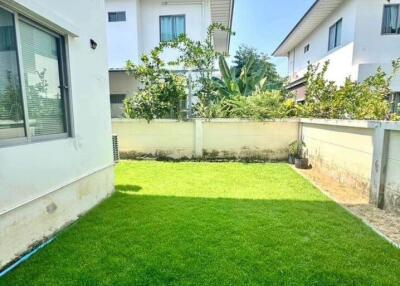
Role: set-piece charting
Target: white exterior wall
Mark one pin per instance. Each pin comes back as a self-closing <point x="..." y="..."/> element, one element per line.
<point x="141" y="31"/>
<point x="363" y="47"/>
<point x="123" y="37"/>
<point x="29" y="172"/>
<point x="341" y="65"/>
<point x="372" y="49"/>
<point x="224" y="138"/>
<point x="197" y="20"/>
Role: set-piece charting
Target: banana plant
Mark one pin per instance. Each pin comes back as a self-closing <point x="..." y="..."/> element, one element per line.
<point x="230" y="85"/>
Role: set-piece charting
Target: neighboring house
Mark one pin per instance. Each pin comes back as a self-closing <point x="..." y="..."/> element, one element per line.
<point x="135" y="27"/>
<point x="56" y="158"/>
<point x="356" y="36"/>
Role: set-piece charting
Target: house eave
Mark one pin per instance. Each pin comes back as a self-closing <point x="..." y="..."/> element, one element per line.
<point x="222" y="13"/>
<point x="317" y="13"/>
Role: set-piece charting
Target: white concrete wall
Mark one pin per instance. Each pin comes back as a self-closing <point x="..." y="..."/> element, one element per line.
<point x="212" y="139"/>
<point x="33" y="223"/>
<point x="392" y="185"/>
<point x="341" y="152"/>
<point x="31" y="171"/>
<point x="246" y="139"/>
<point x="347" y="150"/>
<point x="340" y="58"/>
<point x="160" y="137"/>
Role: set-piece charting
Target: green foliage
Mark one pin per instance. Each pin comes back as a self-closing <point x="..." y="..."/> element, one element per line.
<point x="200" y="57"/>
<point x="262" y="105"/>
<point x="296" y="148"/>
<point x="246" y="89"/>
<point x="245" y="84"/>
<point x="261" y="63"/>
<point x="161" y="93"/>
<point x="11" y="107"/>
<point x="365" y="100"/>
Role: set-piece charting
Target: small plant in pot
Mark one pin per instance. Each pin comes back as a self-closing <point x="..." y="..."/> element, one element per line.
<point x="293" y="151"/>
<point x="301" y="162"/>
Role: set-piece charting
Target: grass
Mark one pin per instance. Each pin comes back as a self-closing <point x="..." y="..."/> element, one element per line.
<point x="213" y="224"/>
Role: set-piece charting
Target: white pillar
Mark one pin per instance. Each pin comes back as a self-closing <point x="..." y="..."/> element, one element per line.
<point x="198" y="138"/>
<point x="379" y="166"/>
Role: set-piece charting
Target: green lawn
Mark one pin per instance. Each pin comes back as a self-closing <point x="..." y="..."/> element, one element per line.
<point x="213" y="224"/>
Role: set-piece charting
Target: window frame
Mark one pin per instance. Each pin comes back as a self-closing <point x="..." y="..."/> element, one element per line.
<point x="335" y="26"/>
<point x="398" y="19"/>
<point x="116" y="14"/>
<point x="65" y="84"/>
<point x="174" y="15"/>
<point x="306" y="48"/>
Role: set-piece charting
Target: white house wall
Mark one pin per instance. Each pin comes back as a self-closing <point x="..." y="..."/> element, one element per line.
<point x="372" y="49"/>
<point x="123" y="37"/>
<point x="141" y="31"/>
<point x="197" y="14"/>
<point x="341" y="58"/>
<point x="29" y="172"/>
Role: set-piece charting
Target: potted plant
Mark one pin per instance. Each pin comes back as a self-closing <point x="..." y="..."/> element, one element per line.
<point x="301" y="162"/>
<point x="293" y="150"/>
<point x="296" y="155"/>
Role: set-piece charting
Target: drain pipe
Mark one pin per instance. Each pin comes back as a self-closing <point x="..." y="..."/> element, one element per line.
<point x="25" y="257"/>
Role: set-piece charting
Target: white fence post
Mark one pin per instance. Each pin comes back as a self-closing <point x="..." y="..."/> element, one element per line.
<point x="379" y="166"/>
<point x="198" y="139"/>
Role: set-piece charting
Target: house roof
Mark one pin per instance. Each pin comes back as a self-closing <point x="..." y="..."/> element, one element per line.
<point x="318" y="12"/>
<point x="222" y="12"/>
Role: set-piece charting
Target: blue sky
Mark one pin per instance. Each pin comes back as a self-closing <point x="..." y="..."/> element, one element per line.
<point x="263" y="24"/>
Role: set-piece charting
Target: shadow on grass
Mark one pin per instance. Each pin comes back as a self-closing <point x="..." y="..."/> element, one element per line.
<point x="128" y="188"/>
<point x="161" y="240"/>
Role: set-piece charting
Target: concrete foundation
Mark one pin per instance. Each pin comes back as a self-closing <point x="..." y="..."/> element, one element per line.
<point x="28" y="225"/>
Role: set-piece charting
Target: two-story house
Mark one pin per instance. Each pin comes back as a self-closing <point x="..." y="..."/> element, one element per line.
<point x="135" y="27"/>
<point x="356" y="36"/>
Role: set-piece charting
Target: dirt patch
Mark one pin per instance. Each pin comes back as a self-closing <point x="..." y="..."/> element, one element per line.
<point x="384" y="221"/>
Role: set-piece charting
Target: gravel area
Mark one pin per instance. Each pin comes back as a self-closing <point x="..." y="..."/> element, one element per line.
<point x="384" y="222"/>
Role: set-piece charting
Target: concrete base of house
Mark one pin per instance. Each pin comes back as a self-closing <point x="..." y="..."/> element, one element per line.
<point x="28" y="225"/>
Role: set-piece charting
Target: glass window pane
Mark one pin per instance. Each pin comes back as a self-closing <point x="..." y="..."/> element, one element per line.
<point x="11" y="106"/>
<point x="332" y="37"/>
<point x="398" y="19"/>
<point x="166" y="29"/>
<point x="112" y="17"/>
<point x="41" y="63"/>
<point x="338" y="40"/>
<point x="390" y="19"/>
<point x="117" y="16"/>
<point x="179" y="26"/>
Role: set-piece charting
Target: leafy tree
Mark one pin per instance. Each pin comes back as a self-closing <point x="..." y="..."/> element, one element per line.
<point x="162" y="91"/>
<point x="367" y="100"/>
<point x="245" y="84"/>
<point x="261" y="62"/>
<point x="200" y="57"/>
